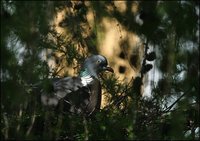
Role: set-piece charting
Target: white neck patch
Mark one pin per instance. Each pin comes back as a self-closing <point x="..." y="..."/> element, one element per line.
<point x="85" y="80"/>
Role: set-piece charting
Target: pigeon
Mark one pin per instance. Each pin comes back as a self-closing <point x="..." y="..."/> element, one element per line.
<point x="77" y="94"/>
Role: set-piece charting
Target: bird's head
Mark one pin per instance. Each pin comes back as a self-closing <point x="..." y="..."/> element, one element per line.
<point x="94" y="65"/>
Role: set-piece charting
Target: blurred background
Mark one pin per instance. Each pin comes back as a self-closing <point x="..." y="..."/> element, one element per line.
<point x="153" y="48"/>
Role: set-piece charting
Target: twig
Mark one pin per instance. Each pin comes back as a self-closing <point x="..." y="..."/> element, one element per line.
<point x="6" y="126"/>
<point x="144" y="60"/>
<point x="172" y="105"/>
<point x="85" y="128"/>
<point x="31" y="125"/>
<point x="19" y="117"/>
<point x="121" y="98"/>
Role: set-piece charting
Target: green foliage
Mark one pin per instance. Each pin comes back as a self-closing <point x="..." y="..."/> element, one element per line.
<point x="168" y="26"/>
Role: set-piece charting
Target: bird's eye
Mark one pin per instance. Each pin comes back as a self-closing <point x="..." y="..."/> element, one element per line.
<point x="98" y="61"/>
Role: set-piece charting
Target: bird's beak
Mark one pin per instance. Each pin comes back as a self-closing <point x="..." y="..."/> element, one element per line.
<point x="108" y="68"/>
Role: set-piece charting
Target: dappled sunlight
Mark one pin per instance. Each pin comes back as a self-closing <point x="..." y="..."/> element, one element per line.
<point x="109" y="41"/>
<point x="100" y="70"/>
<point x="120" y="6"/>
<point x="123" y="48"/>
<point x="111" y="47"/>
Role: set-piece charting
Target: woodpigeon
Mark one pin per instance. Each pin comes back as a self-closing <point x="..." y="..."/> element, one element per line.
<point x="77" y="95"/>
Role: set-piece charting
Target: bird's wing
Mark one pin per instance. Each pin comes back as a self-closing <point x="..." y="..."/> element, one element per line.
<point x="64" y="86"/>
<point x="95" y="97"/>
<point x="58" y="88"/>
<point x="69" y="94"/>
<point x="85" y="100"/>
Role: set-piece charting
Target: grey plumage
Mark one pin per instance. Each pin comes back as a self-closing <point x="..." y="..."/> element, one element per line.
<point x="77" y="95"/>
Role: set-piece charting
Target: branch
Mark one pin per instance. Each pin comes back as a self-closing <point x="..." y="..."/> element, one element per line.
<point x="121" y="97"/>
<point x="31" y="125"/>
<point x="85" y="128"/>
<point x="6" y="126"/>
<point x="144" y="60"/>
<point x="19" y="117"/>
<point x="172" y="105"/>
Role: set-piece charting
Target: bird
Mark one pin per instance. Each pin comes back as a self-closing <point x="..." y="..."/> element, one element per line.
<point x="79" y="94"/>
